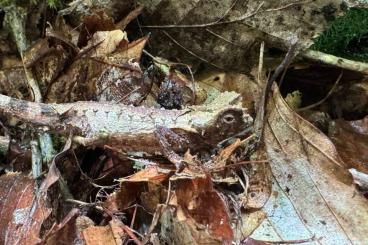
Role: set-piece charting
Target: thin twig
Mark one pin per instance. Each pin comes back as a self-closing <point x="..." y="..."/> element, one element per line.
<point x="241" y="18"/>
<point x="215" y="23"/>
<point x="85" y="204"/>
<point x="168" y="193"/>
<point x="222" y="38"/>
<point x="227" y="11"/>
<point x="261" y="112"/>
<point x="191" y="52"/>
<point x="326" y="97"/>
<point x="336" y="61"/>
<point x="238" y="164"/>
<point x="260" y="63"/>
<point x="313" y="238"/>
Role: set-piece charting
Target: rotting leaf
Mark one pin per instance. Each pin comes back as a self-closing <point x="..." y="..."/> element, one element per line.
<point x="64" y="233"/>
<point x="104" y="42"/>
<point x="260" y="180"/>
<point x="107" y="78"/>
<point x="22" y="213"/>
<point x="351" y="141"/>
<point x="299" y="138"/>
<point x="97" y="21"/>
<point x="203" y="204"/>
<point x="113" y="233"/>
<point x="226" y="32"/>
<point x="133" y="51"/>
<point x="225" y="154"/>
<point x="132" y="187"/>
<point x="312" y="189"/>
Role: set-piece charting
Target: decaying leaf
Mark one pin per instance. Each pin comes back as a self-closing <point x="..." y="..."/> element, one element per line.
<point x="143" y="185"/>
<point x="22" y="212"/>
<point x="96" y="21"/>
<point x="201" y="215"/>
<point x="215" y="82"/>
<point x="351" y="141"/>
<point x="104" y="42"/>
<point x="112" y="233"/>
<point x="66" y="232"/>
<point x="226" y="32"/>
<point x="312" y="191"/>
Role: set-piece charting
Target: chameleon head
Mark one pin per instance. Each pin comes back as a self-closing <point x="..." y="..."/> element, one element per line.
<point x="222" y="118"/>
<point x="227" y="122"/>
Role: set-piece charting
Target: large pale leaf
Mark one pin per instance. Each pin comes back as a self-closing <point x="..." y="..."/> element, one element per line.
<point x="313" y="198"/>
<point x="224" y="33"/>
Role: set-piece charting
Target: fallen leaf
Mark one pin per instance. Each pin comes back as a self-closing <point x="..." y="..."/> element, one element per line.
<point x="104" y="42"/>
<point x="233" y="45"/>
<point x="22" y="213"/>
<point x="132" y="51"/>
<point x="312" y="195"/>
<point x="204" y="205"/>
<point x="137" y="187"/>
<point x="64" y="233"/>
<point x="351" y="141"/>
<point x="112" y="233"/>
<point x="97" y="21"/>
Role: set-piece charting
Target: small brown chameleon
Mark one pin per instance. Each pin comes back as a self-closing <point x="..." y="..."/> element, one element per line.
<point x="133" y="128"/>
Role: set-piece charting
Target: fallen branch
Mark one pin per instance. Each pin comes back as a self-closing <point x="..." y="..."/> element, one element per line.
<point x="336" y="61"/>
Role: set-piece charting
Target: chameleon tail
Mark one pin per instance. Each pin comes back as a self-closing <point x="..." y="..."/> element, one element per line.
<point x="39" y="114"/>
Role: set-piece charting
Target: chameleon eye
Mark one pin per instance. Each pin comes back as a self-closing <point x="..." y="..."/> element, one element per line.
<point x="228" y="119"/>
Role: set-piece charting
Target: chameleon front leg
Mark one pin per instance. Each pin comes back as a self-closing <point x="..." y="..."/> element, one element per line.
<point x="163" y="134"/>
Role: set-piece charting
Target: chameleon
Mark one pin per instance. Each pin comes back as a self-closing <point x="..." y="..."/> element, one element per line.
<point x="133" y="128"/>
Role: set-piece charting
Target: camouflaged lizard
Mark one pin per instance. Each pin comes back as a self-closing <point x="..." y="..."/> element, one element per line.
<point x="133" y="128"/>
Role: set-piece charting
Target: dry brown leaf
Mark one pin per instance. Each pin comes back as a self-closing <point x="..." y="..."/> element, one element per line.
<point x="232" y="45"/>
<point x="22" y="214"/>
<point x="133" y="51"/>
<point x="232" y="81"/>
<point x="260" y="181"/>
<point x="104" y="42"/>
<point x="351" y="141"/>
<point x="225" y="154"/>
<point x="92" y="23"/>
<point x="137" y="187"/>
<point x="311" y="182"/>
<point x="149" y="174"/>
<point x="200" y="202"/>
<point x="102" y="235"/>
<point x="296" y="137"/>
<point x="64" y="233"/>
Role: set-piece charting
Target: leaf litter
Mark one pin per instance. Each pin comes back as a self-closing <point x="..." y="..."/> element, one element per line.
<point x="291" y="183"/>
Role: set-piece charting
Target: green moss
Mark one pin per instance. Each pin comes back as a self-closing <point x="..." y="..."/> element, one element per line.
<point x="347" y="36"/>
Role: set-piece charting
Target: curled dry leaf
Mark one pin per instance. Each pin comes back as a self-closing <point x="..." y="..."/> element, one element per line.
<point x="113" y="233"/>
<point x="104" y="42"/>
<point x="202" y="205"/>
<point x="351" y="141"/>
<point x="260" y="180"/>
<point x="66" y="232"/>
<point x="13" y="82"/>
<point x="216" y="82"/>
<point x="97" y="21"/>
<point x="311" y="190"/>
<point x="139" y="186"/>
<point x="110" y="78"/>
<point x="22" y="213"/>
